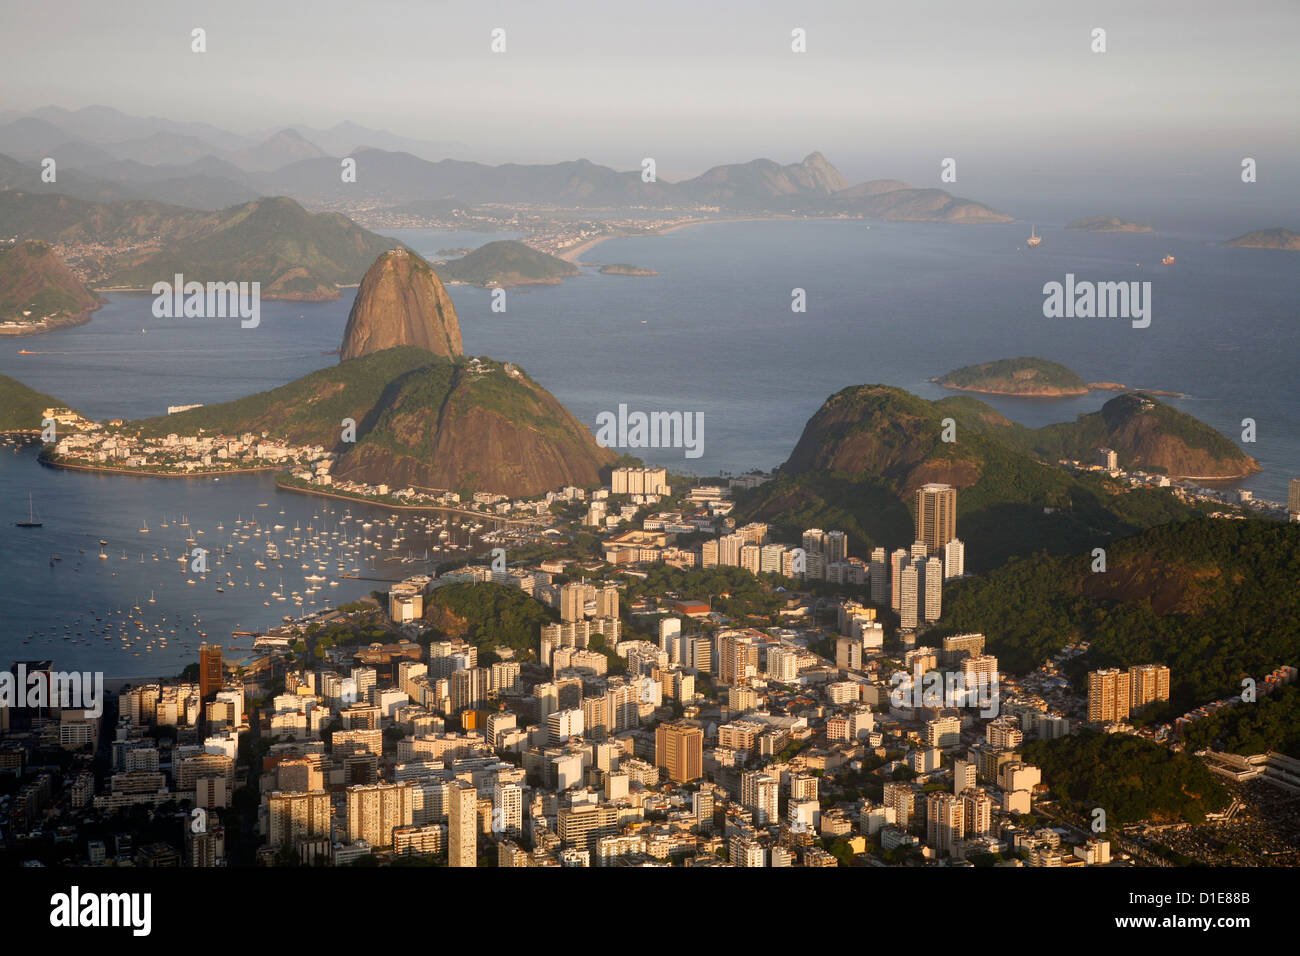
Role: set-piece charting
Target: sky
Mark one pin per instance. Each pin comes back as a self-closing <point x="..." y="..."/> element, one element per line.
<point x="1010" y="89"/>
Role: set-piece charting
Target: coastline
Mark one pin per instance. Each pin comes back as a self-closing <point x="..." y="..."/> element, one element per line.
<point x="1060" y="393"/>
<point x="571" y="254"/>
<point x="154" y="474"/>
<point x="280" y="486"/>
<point x="71" y="323"/>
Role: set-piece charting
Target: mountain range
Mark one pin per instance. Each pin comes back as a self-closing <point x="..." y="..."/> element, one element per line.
<point x="295" y="254"/>
<point x="106" y="155"/>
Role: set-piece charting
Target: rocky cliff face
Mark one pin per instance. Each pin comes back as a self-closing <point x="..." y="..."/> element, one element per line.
<point x="474" y="426"/>
<point x="401" y="302"/>
<point x="38" y="291"/>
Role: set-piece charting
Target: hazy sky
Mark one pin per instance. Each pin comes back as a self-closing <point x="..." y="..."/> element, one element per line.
<point x="884" y="89"/>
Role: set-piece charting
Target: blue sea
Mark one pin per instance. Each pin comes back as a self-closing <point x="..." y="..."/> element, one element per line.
<point x="713" y="333"/>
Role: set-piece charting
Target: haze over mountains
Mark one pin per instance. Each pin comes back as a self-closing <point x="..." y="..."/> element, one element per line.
<point x="106" y="155"/>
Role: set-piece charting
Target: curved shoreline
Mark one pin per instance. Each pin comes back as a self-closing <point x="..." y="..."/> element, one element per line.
<point x="571" y="254"/>
<point x="82" y="319"/>
<point x="48" y="463"/>
<point x="1060" y="393"/>
<point x="383" y="504"/>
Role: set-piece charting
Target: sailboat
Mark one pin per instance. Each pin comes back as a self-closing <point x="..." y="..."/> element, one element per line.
<point x="144" y="527"/>
<point x="31" y="521"/>
<point x="1034" y="240"/>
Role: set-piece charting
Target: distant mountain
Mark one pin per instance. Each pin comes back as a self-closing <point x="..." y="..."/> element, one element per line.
<point x="22" y="408"/>
<point x="1268" y="239"/>
<point x="810" y="187"/>
<point x="507" y="262"/>
<point x="293" y="253"/>
<point x="907" y="204"/>
<point x="303" y="163"/>
<point x="26" y="177"/>
<point x="1107" y="224"/>
<point x="401" y="302"/>
<point x="762" y="181"/>
<point x="285" y="147"/>
<point x="103" y="125"/>
<point x="206" y="183"/>
<point x="163" y="148"/>
<point x="346" y="138"/>
<point x="38" y="292"/>
<point x="1033" y="377"/>
<point x="32" y="138"/>
<point x="869" y="447"/>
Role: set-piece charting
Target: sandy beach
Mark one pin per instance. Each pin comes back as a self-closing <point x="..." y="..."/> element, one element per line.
<point x="571" y="255"/>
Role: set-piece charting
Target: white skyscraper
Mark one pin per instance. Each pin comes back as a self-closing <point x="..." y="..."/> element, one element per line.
<point x="954" y="559"/>
<point x="909" y="593"/>
<point x="507" y="808"/>
<point x="933" y="589"/>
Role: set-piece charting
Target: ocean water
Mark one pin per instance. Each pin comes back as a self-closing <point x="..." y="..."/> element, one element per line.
<point x="898" y="304"/>
<point x="713" y="333"/>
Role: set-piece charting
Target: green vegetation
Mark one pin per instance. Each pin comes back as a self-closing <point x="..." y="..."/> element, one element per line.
<point x="1268" y="239"/>
<point x="308" y="409"/>
<point x="865" y="451"/>
<point x="475" y="426"/>
<point x="1129" y="424"/>
<point x="487" y="615"/>
<point x="34" y="280"/>
<point x="735" y="592"/>
<point x="1215" y="600"/>
<point x="274" y="241"/>
<point x="1130" y="778"/>
<point x="1272" y="722"/>
<point x="1017" y="376"/>
<point x="507" y="262"/>
<point x="22" y="408"/>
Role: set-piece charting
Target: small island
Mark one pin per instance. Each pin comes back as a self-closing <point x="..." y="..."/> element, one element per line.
<point x="623" y="269"/>
<point x="507" y="262"/>
<point x="1278" y="238"/>
<point x="1107" y="224"/>
<point x="1025" y="376"/>
<point x="1029" y="377"/>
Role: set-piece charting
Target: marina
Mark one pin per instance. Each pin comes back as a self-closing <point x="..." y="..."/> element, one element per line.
<point x="218" y="559"/>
